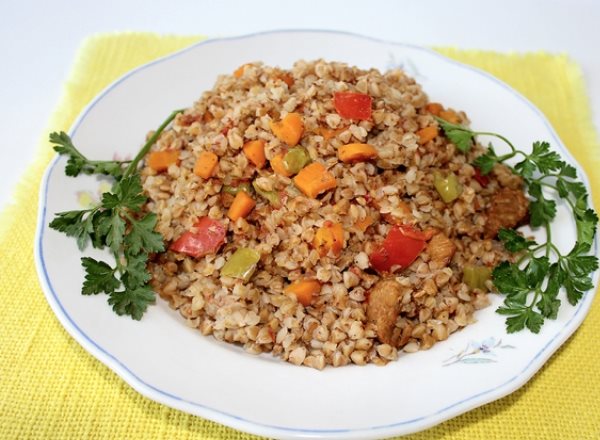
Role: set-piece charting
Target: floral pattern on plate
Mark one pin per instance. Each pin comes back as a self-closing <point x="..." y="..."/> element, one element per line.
<point x="475" y="352"/>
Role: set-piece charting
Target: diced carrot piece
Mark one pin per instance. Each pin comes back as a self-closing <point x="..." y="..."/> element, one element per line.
<point x="450" y="116"/>
<point x="286" y="78"/>
<point x="278" y="165"/>
<point x="161" y="160"/>
<point x="329" y="237"/>
<point x="255" y="152"/>
<point x="207" y="117"/>
<point x="356" y="152"/>
<point x="206" y="164"/>
<point x="435" y="108"/>
<point x="314" y="179"/>
<point x="363" y="224"/>
<point x="241" y="206"/>
<point x="304" y="290"/>
<point x="240" y="70"/>
<point x="329" y="133"/>
<point x="289" y="129"/>
<point x="427" y="134"/>
<point x="404" y="207"/>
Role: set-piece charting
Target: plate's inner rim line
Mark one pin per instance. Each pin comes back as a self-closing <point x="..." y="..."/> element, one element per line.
<point x="128" y="373"/>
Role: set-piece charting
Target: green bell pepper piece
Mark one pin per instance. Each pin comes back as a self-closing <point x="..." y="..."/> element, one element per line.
<point x="241" y="264"/>
<point x="233" y="190"/>
<point x="449" y="188"/>
<point x="296" y="159"/>
<point x="476" y="276"/>
<point x="271" y="196"/>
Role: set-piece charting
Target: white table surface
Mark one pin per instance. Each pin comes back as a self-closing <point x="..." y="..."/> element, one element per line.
<point x="39" y="40"/>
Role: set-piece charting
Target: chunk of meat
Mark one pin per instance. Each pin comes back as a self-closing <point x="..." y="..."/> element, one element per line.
<point x="383" y="309"/>
<point x="441" y="249"/>
<point x="509" y="207"/>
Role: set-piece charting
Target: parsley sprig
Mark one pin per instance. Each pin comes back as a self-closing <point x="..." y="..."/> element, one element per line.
<point x="79" y="164"/>
<point x="118" y="224"/>
<point x="532" y="283"/>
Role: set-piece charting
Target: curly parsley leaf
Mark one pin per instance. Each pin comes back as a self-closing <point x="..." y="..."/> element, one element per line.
<point x="525" y="168"/>
<point x="486" y="161"/>
<point x="526" y="318"/>
<point x="556" y="278"/>
<point x="116" y="232"/>
<point x="546" y="160"/>
<point x="532" y="292"/>
<point x="542" y="211"/>
<point x="548" y="307"/>
<point x="132" y="302"/>
<point x="142" y="236"/>
<point x="99" y="277"/>
<point x="586" y="221"/>
<point x="460" y="136"/>
<point x="577" y="263"/>
<point x="77" y="224"/>
<point x="541" y="159"/>
<point x="77" y="163"/>
<point x="536" y="271"/>
<point x="566" y="188"/>
<point x="130" y="193"/>
<point x="513" y="241"/>
<point x="135" y="274"/>
<point x="115" y="223"/>
<point x="512" y="281"/>
<point x="567" y="170"/>
<point x="574" y="295"/>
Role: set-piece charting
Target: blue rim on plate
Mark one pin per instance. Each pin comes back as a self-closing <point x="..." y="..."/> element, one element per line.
<point x="244" y="424"/>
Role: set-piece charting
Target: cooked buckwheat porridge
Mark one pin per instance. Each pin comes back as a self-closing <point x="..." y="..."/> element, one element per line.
<point x="321" y="215"/>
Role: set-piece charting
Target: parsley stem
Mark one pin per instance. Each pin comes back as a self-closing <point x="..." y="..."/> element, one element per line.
<point x="548" y="246"/>
<point x="505" y="157"/>
<point x="128" y="216"/>
<point x="548" y="238"/>
<point x="555" y="188"/>
<point x="527" y="255"/>
<point x="499" y="136"/>
<point x="545" y="176"/>
<point x="120" y="267"/>
<point x="133" y="165"/>
<point x="100" y="162"/>
<point x="556" y="250"/>
<point x="542" y="183"/>
<point x="75" y="152"/>
<point x="536" y="296"/>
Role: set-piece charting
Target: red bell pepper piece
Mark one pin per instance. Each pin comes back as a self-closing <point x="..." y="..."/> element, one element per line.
<point x="400" y="248"/>
<point x="206" y="237"/>
<point x="351" y="105"/>
<point x="483" y="180"/>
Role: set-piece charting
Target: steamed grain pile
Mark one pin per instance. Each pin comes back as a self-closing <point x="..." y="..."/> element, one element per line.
<point x="321" y="215"/>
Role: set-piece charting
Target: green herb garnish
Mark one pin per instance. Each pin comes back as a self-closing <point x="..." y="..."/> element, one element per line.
<point x="532" y="283"/>
<point x="116" y="223"/>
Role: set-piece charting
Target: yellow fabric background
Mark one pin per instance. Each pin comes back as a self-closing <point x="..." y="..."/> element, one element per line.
<point x="51" y="388"/>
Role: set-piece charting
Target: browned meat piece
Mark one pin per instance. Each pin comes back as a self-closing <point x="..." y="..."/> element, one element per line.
<point x="441" y="249"/>
<point x="509" y="207"/>
<point x="383" y="309"/>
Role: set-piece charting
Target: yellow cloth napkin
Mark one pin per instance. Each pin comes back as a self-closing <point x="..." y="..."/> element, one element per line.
<point x="51" y="388"/>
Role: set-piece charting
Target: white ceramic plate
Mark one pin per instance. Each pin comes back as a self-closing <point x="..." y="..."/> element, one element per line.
<point x="172" y="364"/>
